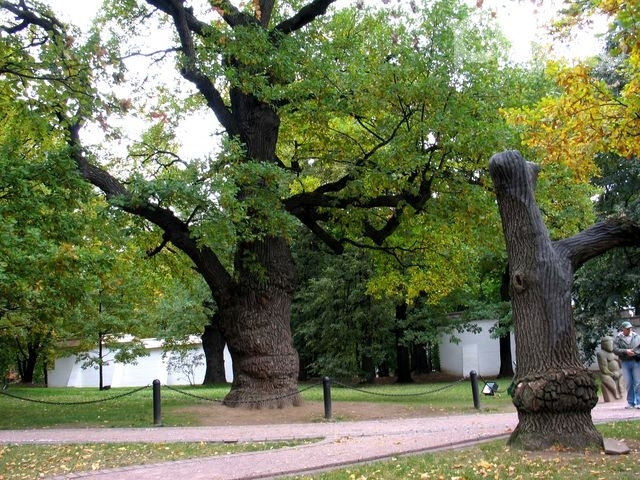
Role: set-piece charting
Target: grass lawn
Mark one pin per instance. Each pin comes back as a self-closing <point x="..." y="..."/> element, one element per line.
<point x="18" y="462"/>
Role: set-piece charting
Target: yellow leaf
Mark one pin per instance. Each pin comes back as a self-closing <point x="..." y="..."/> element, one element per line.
<point x="484" y="464"/>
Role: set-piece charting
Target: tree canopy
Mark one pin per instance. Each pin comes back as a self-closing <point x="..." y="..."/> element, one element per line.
<point x="595" y="108"/>
<point x="370" y="127"/>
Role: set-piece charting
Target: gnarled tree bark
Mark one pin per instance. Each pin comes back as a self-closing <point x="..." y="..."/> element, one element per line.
<point x="553" y="391"/>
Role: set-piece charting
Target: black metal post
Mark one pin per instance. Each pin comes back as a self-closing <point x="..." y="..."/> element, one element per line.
<point x="100" y="358"/>
<point x="157" y="416"/>
<point x="474" y="389"/>
<point x="326" y="390"/>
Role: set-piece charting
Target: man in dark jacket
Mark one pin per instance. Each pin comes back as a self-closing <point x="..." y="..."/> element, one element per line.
<point x="627" y="346"/>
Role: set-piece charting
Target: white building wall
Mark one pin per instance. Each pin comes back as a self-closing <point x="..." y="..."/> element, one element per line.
<point x="61" y="373"/>
<point x="474" y="351"/>
<point x="479" y="352"/>
<point x="143" y="372"/>
<point x="67" y="372"/>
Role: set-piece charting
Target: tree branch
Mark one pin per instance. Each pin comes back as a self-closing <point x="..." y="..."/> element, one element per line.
<point x="28" y="17"/>
<point x="231" y="14"/>
<point x="153" y="252"/>
<point x="603" y="236"/>
<point x="320" y="198"/>
<point x="306" y="15"/>
<point x="185" y="24"/>
<point x="175" y="230"/>
<point x="311" y="223"/>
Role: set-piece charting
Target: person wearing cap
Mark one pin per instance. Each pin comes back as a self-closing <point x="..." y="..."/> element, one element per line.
<point x="627" y="346"/>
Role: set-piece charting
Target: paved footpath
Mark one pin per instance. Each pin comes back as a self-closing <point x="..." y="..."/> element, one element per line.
<point x="341" y="443"/>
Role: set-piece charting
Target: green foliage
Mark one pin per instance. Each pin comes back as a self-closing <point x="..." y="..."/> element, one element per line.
<point x="566" y="206"/>
<point x="70" y="269"/>
<point x="41" y="234"/>
<point x="608" y="284"/>
<point x="359" y="97"/>
<point x="390" y="115"/>
<point x="182" y="309"/>
<point x="140" y="297"/>
<point x="337" y="326"/>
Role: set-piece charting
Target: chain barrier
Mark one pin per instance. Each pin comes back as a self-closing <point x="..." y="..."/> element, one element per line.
<point x="192" y="395"/>
<point x="84" y="402"/>
<point x="273" y="399"/>
<point x="200" y="397"/>
<point x="383" y="394"/>
<point x="326" y="384"/>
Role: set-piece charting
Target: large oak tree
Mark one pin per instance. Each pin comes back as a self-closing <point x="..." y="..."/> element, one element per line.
<point x="349" y="123"/>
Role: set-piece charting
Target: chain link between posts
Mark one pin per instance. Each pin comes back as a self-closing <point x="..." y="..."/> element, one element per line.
<point x="221" y="401"/>
<point x="83" y="402"/>
<point x="272" y="399"/>
<point x="385" y="394"/>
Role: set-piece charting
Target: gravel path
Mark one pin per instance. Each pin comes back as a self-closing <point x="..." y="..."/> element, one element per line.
<point x="342" y="443"/>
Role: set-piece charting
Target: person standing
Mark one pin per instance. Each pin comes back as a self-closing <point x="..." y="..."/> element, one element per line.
<point x="627" y="346"/>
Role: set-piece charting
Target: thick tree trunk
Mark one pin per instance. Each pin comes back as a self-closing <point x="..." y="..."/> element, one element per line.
<point x="420" y="362"/>
<point x="256" y="324"/>
<point x="403" y="354"/>
<point x="213" y="345"/>
<point x="554" y="393"/>
<point x="506" y="359"/>
<point x="255" y="316"/>
<point x="27" y="361"/>
<point x="368" y="368"/>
